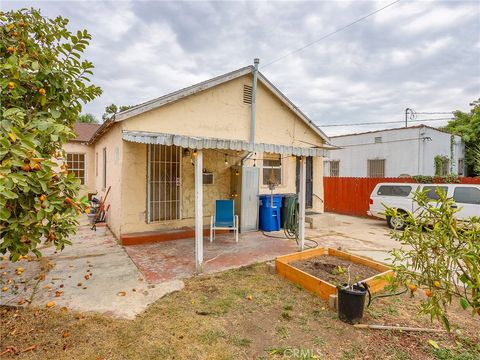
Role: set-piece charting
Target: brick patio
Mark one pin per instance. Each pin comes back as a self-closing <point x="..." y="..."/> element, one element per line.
<point x="175" y="259"/>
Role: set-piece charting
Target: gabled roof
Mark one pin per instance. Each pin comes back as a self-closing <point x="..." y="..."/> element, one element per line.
<point x="179" y="94"/>
<point x="392" y="129"/>
<point x="84" y="131"/>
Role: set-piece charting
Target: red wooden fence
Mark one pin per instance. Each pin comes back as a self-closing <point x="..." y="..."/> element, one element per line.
<point x="350" y="196"/>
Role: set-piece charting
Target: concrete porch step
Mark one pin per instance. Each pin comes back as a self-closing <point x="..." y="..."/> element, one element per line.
<point x="317" y="221"/>
<point x="148" y="237"/>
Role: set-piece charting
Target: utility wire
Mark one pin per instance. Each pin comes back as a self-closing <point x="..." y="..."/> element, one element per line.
<point x="383" y="122"/>
<point x="329" y="34"/>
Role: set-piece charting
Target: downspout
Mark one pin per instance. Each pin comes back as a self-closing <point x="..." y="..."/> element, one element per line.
<point x="256" y="61"/>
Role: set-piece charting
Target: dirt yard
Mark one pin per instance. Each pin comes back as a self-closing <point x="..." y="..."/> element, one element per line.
<point x="334" y="270"/>
<point x="239" y="314"/>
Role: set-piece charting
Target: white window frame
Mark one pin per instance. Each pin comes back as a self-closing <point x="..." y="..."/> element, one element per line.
<point x="73" y="169"/>
<point x="272" y="167"/>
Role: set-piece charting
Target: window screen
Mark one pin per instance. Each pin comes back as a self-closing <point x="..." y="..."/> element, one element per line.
<point x="432" y="191"/>
<point x="376" y="168"/>
<point x="76" y="164"/>
<point x="394" y="190"/>
<point x="467" y="195"/>
<point x="272" y="169"/>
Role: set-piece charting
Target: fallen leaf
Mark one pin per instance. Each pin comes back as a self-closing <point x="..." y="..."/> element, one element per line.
<point x="433" y="344"/>
<point x="66" y="334"/>
<point x="79" y="284"/>
<point x="250" y="297"/>
<point x="122" y="293"/>
<point x="21" y="302"/>
<point x="5" y="289"/>
<point x="58" y="293"/>
<point x="48" y="287"/>
<point x="87" y="277"/>
<point x="41" y="277"/>
<point x="61" y="285"/>
<point x="64" y="309"/>
<point x="50" y="304"/>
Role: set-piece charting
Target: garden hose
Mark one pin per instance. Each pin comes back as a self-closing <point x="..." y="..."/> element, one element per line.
<point x="386" y="295"/>
<point x="290" y="226"/>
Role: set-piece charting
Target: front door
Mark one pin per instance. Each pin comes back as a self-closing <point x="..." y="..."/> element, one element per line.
<point x="309" y="179"/>
<point x="164" y="180"/>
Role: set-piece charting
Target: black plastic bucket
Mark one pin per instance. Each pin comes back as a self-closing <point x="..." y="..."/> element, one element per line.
<point x="351" y="302"/>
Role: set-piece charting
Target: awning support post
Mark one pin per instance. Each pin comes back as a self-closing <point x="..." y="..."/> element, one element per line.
<point x="301" y="203"/>
<point x="199" y="211"/>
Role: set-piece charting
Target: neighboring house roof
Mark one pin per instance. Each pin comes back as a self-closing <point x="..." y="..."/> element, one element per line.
<point x="84" y="131"/>
<point x="394" y="129"/>
<point x="179" y="94"/>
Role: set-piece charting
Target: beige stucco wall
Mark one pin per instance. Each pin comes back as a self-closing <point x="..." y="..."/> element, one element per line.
<point x="113" y="143"/>
<point x="80" y="148"/>
<point x="219" y="112"/>
<point x="134" y="188"/>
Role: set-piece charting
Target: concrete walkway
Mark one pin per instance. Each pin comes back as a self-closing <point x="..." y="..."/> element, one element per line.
<point x="95" y="274"/>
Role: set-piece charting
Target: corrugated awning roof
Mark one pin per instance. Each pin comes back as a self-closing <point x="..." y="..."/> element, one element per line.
<point x="192" y="142"/>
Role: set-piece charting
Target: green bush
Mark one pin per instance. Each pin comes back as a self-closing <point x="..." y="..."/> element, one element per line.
<point x="439" y="255"/>
<point x="43" y="84"/>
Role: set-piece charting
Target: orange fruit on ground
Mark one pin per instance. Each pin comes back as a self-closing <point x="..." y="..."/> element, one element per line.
<point x="42" y="91"/>
<point x="428" y="292"/>
<point x="412" y="287"/>
<point x="51" y="304"/>
<point x="10" y="49"/>
<point x="5" y="289"/>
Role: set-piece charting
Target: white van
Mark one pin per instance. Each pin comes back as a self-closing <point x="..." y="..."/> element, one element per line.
<point x="399" y="196"/>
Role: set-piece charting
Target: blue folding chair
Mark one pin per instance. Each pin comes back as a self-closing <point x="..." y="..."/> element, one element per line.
<point x="224" y="218"/>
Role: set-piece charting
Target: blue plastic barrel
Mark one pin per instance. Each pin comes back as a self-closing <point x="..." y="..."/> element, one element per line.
<point x="269" y="219"/>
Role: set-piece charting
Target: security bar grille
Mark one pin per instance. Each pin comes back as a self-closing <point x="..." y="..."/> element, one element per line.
<point x="376" y="168"/>
<point x="164" y="174"/>
<point x="335" y="168"/>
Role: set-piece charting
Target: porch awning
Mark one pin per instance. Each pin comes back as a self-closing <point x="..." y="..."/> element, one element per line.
<point x="192" y="142"/>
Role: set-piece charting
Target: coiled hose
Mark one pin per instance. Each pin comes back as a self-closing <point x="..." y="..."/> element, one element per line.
<point x="290" y="225"/>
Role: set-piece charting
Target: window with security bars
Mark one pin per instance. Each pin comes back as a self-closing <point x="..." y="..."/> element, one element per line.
<point x="272" y="169"/>
<point x="335" y="168"/>
<point x="76" y="164"/>
<point x="376" y="168"/>
<point x="164" y="174"/>
<point x="444" y="168"/>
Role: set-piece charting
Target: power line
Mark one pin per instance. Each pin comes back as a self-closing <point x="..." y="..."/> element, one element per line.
<point x="329" y="34"/>
<point x="384" y="122"/>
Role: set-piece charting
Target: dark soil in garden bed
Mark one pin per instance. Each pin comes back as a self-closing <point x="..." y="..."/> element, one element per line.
<point x="333" y="269"/>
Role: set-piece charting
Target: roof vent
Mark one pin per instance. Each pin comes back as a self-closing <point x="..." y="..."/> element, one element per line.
<point x="247" y="94"/>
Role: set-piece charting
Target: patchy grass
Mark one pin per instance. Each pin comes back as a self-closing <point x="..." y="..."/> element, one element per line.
<point x="240" y="314"/>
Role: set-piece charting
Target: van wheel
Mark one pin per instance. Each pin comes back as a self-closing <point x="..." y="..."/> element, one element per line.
<point x="397" y="222"/>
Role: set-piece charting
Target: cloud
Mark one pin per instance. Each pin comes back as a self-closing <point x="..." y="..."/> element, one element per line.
<point x="418" y="54"/>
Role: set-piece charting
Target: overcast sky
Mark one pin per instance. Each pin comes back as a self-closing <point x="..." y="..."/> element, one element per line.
<point x="423" y="55"/>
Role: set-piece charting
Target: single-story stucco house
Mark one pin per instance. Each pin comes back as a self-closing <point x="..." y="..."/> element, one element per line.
<point x="236" y="134"/>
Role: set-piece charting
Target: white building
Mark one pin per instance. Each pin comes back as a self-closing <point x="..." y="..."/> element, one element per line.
<point x="398" y="152"/>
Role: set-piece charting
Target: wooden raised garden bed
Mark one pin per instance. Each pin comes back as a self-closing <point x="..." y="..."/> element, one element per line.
<point x="321" y="287"/>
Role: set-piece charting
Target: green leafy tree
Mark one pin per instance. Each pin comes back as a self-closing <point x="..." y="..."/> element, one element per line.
<point x="467" y="125"/>
<point x="87" y="119"/>
<point x="112" y="109"/>
<point x="439" y="255"/>
<point x="43" y="83"/>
